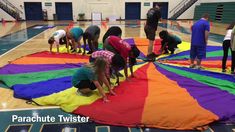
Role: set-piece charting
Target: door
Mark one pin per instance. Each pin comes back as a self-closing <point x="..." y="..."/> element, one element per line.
<point x="33" y="10"/>
<point x="164" y="9"/>
<point x="132" y="10"/>
<point x="64" y="10"/>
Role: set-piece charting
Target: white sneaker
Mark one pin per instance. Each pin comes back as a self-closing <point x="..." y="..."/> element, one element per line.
<point x="198" y="67"/>
<point x="192" y="66"/>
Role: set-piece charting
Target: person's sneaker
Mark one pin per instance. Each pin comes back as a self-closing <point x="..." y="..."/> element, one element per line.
<point x="112" y="76"/>
<point x="119" y="74"/>
<point x="90" y="52"/>
<point x="198" y="67"/>
<point x="155" y="55"/>
<point x="223" y="70"/>
<point x="151" y="57"/>
<point x="192" y="66"/>
<point x="80" y="51"/>
<point x="73" y="51"/>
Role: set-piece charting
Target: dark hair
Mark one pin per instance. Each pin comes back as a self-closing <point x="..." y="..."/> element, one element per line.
<point x="51" y="40"/>
<point x="231" y="25"/>
<point x="114" y="31"/>
<point x="118" y="61"/>
<point x="163" y="34"/>
<point x="135" y="51"/>
<point x="206" y="15"/>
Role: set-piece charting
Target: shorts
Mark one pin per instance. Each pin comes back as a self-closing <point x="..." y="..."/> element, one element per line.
<point x="91" y="59"/>
<point x="86" y="84"/>
<point x="150" y="32"/>
<point x="63" y="41"/>
<point x="198" y="52"/>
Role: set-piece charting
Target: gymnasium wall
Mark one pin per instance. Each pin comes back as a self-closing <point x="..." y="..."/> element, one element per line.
<point x="109" y="7"/>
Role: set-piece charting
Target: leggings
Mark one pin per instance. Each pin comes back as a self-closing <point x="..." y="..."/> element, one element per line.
<point x="226" y="47"/>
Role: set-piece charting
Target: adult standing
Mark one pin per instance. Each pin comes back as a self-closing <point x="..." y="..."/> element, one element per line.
<point x="233" y="50"/>
<point x="150" y="29"/>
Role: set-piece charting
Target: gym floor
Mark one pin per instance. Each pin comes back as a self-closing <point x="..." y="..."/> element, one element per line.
<point x="23" y="38"/>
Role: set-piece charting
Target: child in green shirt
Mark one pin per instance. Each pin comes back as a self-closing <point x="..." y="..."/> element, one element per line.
<point x="92" y="76"/>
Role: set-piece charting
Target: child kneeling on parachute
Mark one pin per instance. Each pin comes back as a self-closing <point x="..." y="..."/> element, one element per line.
<point x="91" y="77"/>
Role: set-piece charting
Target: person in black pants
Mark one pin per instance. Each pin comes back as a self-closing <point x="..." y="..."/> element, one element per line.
<point x="227" y="46"/>
<point x="153" y="17"/>
<point x="233" y="50"/>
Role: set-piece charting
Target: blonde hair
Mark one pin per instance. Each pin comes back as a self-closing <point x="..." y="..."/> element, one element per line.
<point x="98" y="66"/>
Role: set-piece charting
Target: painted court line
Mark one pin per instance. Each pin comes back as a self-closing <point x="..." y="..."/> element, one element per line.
<point x="22" y="43"/>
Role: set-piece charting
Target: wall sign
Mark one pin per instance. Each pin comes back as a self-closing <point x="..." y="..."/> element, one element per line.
<point x="146" y="3"/>
<point x="48" y="4"/>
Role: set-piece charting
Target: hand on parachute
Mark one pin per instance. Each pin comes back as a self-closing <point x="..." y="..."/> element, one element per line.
<point x="112" y="92"/>
<point x="105" y="100"/>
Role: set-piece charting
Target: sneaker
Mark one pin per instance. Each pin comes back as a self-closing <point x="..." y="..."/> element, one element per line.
<point x="223" y="70"/>
<point x="73" y="51"/>
<point x="119" y="74"/>
<point x="112" y="76"/>
<point x="192" y="66"/>
<point x="80" y="51"/>
<point x="90" y="52"/>
<point x="151" y="57"/>
<point x="198" y="67"/>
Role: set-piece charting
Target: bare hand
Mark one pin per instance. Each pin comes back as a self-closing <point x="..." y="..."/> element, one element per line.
<point x="132" y="75"/>
<point x="128" y="79"/>
<point x="112" y="92"/>
<point x="105" y="100"/>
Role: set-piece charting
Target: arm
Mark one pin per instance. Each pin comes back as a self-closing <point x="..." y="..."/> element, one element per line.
<point x="206" y="36"/>
<point x="84" y="41"/>
<point x="51" y="48"/>
<point x="131" y="70"/>
<point x="58" y="48"/>
<point x="126" y="71"/>
<point x="67" y="43"/>
<point x="79" y="45"/>
<point x="232" y="38"/>
<point x="101" y="91"/>
<point x="106" y="82"/>
<point x="116" y="73"/>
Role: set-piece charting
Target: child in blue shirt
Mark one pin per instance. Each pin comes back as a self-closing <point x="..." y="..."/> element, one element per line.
<point x="200" y="33"/>
<point x="75" y="34"/>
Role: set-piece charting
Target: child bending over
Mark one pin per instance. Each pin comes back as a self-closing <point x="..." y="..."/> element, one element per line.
<point x="91" y="77"/>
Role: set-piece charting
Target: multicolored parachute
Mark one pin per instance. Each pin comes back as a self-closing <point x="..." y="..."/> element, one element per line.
<point x="164" y="94"/>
